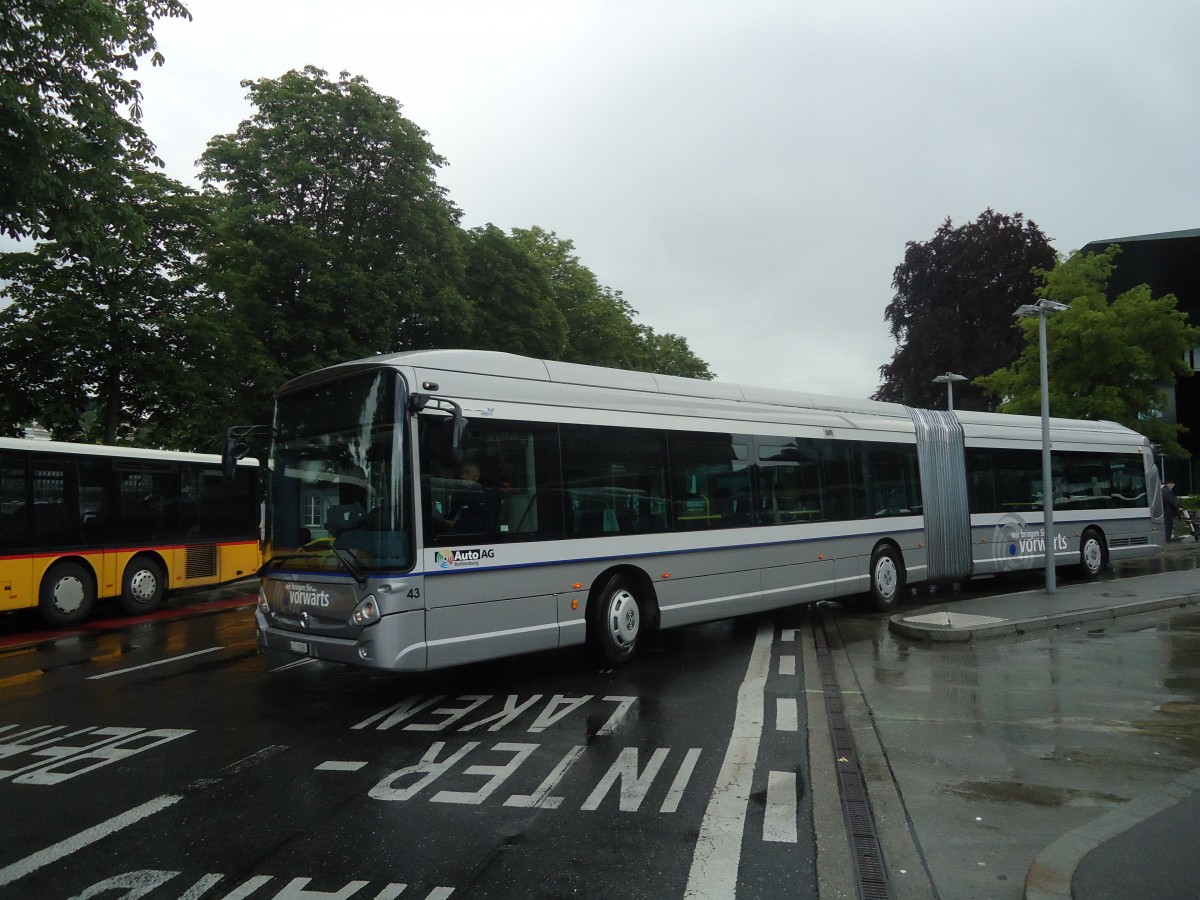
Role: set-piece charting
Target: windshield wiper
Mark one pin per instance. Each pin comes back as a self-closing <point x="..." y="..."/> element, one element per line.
<point x="345" y="557"/>
<point x="347" y="560"/>
<point x="281" y="558"/>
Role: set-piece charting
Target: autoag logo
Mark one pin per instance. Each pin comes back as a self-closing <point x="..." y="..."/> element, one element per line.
<point x="460" y="559"/>
<point x="305" y="595"/>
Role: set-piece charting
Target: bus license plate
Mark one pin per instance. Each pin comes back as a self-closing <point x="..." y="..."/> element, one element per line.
<point x="299" y="647"/>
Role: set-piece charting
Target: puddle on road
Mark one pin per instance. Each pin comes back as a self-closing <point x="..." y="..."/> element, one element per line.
<point x="1179" y="708"/>
<point x="1180" y="558"/>
<point x="1033" y="794"/>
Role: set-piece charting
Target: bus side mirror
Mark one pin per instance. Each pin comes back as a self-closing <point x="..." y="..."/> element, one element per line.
<point x="235" y="446"/>
<point x="231" y="452"/>
<point x="453" y="439"/>
<point x="452" y="432"/>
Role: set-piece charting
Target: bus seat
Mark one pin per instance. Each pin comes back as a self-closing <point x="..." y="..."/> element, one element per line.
<point x="518" y="513"/>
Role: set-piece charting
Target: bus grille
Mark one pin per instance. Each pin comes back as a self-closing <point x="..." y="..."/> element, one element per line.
<point x="1140" y="541"/>
<point x="201" y="562"/>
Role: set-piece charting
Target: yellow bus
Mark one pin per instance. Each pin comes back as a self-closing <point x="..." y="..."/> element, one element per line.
<point x="82" y="522"/>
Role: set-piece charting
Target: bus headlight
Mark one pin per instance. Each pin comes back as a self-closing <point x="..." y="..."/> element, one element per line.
<point x="366" y="613"/>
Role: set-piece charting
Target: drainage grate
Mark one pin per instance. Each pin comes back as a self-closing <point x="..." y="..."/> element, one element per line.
<point x="870" y="869"/>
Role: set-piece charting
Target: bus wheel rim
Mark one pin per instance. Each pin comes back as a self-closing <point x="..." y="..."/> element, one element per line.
<point x="68" y="595"/>
<point x="623" y="619"/>
<point x="885" y="576"/>
<point x="143" y="585"/>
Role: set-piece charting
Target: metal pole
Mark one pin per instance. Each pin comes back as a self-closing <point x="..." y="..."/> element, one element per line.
<point x="949" y="395"/>
<point x="1047" y="486"/>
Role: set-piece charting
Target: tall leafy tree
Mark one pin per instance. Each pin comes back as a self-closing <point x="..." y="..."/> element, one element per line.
<point x="332" y="238"/>
<point x="70" y="113"/>
<point x="1106" y="360"/>
<point x="669" y="354"/>
<point x="514" y="301"/>
<point x="954" y="304"/>
<point x="601" y="326"/>
<point x="121" y="347"/>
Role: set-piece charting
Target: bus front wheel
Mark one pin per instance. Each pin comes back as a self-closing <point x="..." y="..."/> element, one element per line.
<point x="66" y="595"/>
<point x="616" y="626"/>
<point x="887" y="578"/>
<point x="144" y="586"/>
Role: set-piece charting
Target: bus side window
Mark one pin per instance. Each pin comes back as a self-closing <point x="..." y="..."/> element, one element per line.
<point x="55" y="519"/>
<point x="14" y="513"/>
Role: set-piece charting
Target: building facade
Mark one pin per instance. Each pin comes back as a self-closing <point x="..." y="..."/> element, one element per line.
<point x="1169" y="263"/>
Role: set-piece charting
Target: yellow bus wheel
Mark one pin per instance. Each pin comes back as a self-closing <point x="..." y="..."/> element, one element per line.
<point x="67" y="594"/>
<point x="144" y="585"/>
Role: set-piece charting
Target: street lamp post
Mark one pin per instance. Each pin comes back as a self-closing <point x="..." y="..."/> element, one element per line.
<point x="1040" y="309"/>
<point x="948" y="379"/>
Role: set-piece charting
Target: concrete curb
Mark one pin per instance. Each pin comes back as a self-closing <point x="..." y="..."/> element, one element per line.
<point x="970" y="631"/>
<point x="1050" y="874"/>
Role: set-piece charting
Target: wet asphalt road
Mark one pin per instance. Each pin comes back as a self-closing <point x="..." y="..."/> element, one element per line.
<point x="173" y="757"/>
<point x="170" y="758"/>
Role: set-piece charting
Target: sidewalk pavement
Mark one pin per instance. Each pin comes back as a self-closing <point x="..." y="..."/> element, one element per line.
<point x="1150" y="841"/>
<point x="1007" y="615"/>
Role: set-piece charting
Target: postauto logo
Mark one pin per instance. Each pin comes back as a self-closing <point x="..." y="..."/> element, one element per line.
<point x="458" y="559"/>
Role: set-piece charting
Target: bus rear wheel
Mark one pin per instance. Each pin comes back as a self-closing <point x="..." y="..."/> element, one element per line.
<point x="615" y="628"/>
<point x="1093" y="554"/>
<point x="144" y="585"/>
<point x="66" y="595"/>
<point x="887" y="578"/>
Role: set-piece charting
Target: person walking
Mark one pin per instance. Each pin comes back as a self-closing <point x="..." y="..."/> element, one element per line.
<point x="1171" y="508"/>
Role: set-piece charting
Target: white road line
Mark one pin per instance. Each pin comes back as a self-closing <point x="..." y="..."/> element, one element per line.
<point x="719" y="845"/>
<point x="299" y="662"/>
<point x="787" y="665"/>
<point x="341" y="765"/>
<point x="88" y="836"/>
<point x="779" y="818"/>
<point x="160" y="662"/>
<point x="787" y="714"/>
<point x="35" y="861"/>
<point x="675" y="794"/>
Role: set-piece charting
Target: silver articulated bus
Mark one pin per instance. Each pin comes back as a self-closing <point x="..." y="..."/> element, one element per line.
<point x="433" y="508"/>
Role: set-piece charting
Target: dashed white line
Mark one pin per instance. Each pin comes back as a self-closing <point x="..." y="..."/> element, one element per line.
<point x="779" y="818"/>
<point x="341" y="765"/>
<point x="787" y="714"/>
<point x="159" y="662"/>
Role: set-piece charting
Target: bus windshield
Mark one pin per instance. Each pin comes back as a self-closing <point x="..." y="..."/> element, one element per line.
<point x="338" y="477"/>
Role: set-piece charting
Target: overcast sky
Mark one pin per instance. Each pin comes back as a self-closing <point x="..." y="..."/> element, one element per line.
<point x="747" y="173"/>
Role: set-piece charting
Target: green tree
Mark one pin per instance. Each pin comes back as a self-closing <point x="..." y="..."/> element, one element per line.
<point x="332" y="239"/>
<point x="601" y="326"/>
<point x="70" y="113"/>
<point x="669" y="354"/>
<point x="1106" y="360"/>
<point x="123" y="347"/>
<point x="954" y="304"/>
<point x="514" y="302"/>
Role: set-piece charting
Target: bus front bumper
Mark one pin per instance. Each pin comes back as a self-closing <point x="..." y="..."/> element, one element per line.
<point x="395" y="643"/>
